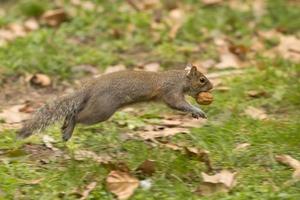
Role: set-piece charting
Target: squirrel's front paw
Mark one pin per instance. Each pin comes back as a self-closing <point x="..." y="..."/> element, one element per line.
<point x="199" y="115"/>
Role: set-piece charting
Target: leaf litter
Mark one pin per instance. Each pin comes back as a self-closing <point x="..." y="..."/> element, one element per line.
<point x="256" y="113"/>
<point x="292" y="162"/>
<point x="223" y="181"/>
<point x="122" y="184"/>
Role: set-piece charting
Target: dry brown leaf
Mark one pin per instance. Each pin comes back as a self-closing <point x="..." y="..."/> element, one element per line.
<point x="54" y="17"/>
<point x="239" y="50"/>
<point x="85" y="68"/>
<point x="211" y="2"/>
<point x="201" y="154"/>
<point x="84" y="155"/>
<point x="88" y="5"/>
<point x="176" y="19"/>
<point x="41" y="80"/>
<point x="158" y="132"/>
<point x="289" y="48"/>
<point x="256" y="113"/>
<point x="259" y="8"/>
<point x="223" y="181"/>
<point x="181" y="121"/>
<point x="34" y="181"/>
<point x="27" y="108"/>
<point x="13" y="114"/>
<point x="207" y="189"/>
<point x="147" y="167"/>
<point x="228" y="60"/>
<point x="7" y="35"/>
<point x="241" y="146"/>
<point x="221" y="88"/>
<point x="256" y="93"/>
<point x="140" y="5"/>
<point x="121" y="184"/>
<point x="116" y="166"/>
<point x="148" y="4"/>
<point x="293" y="163"/>
<point x="225" y="176"/>
<point x="152" y="67"/>
<point x="172" y="146"/>
<point x="17" y="29"/>
<point x="115" y="68"/>
<point x="31" y="25"/>
<point x="48" y="142"/>
<point x="88" y="190"/>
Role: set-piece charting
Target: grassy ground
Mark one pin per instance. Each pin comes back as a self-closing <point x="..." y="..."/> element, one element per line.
<point x="55" y="51"/>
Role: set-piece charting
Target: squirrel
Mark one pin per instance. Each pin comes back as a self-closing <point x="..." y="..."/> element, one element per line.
<point x="101" y="97"/>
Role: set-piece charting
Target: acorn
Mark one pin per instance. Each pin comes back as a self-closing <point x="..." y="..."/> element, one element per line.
<point x="204" y="98"/>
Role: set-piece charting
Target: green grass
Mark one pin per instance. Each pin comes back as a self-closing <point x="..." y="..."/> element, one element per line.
<point x="56" y="51"/>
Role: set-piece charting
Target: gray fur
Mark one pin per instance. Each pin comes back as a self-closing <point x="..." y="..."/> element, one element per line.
<point x="103" y="96"/>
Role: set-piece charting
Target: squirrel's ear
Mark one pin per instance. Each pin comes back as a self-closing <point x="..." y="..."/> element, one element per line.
<point x="192" y="72"/>
<point x="188" y="67"/>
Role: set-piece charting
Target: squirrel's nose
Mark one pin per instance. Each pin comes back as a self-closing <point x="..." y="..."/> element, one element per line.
<point x="210" y="86"/>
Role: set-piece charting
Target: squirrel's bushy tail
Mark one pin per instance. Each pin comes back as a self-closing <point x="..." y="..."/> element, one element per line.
<point x="52" y="112"/>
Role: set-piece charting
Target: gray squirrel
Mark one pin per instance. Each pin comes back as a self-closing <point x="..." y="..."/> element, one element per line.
<point x="101" y="97"/>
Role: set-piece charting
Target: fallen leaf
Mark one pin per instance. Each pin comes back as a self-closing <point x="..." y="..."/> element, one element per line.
<point x="226" y="177"/>
<point x="88" y="190"/>
<point x="116" y="166"/>
<point x="31" y="25"/>
<point x="54" y="17"/>
<point x="181" y="121"/>
<point x="211" y="2"/>
<point x="201" y="155"/>
<point x="256" y="93"/>
<point x="289" y="48"/>
<point x="27" y="108"/>
<point x="239" y="50"/>
<point x="223" y="181"/>
<point x="121" y="184"/>
<point x="152" y="67"/>
<point x="147" y="167"/>
<point x="256" y="113"/>
<point x="207" y="64"/>
<point x="207" y="189"/>
<point x="7" y="35"/>
<point x="158" y="132"/>
<point x="221" y="88"/>
<point x="41" y="80"/>
<point x="259" y="9"/>
<point x="241" y="146"/>
<point x="34" y="181"/>
<point x="13" y="115"/>
<point x="176" y="19"/>
<point x="84" y="155"/>
<point x="228" y="60"/>
<point x="293" y="163"/>
<point x="85" y="68"/>
<point x="172" y="146"/>
<point x="17" y="29"/>
<point x="115" y="68"/>
<point x="48" y="142"/>
<point x="88" y="5"/>
<point x="148" y="4"/>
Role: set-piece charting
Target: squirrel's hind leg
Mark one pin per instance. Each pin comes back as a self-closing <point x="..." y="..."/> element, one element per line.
<point x="68" y="127"/>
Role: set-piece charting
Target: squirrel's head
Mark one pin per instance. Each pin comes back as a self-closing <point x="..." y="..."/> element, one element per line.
<point x="197" y="82"/>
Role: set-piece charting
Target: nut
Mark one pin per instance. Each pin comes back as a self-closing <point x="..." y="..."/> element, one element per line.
<point x="204" y="98"/>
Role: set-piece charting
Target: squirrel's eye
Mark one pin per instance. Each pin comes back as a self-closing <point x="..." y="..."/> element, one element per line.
<point x="202" y="80"/>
